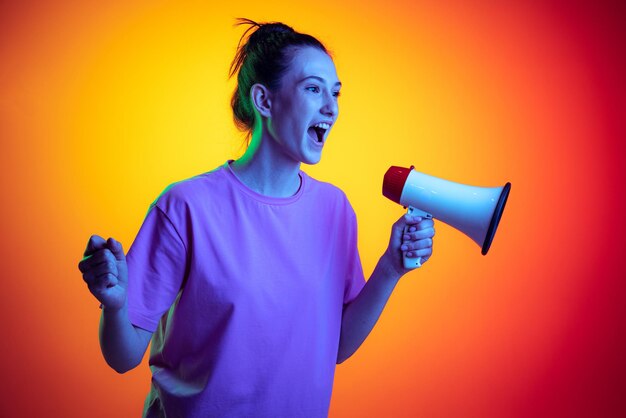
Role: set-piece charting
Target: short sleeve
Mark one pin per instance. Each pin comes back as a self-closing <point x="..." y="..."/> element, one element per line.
<point x="354" y="276"/>
<point x="157" y="264"/>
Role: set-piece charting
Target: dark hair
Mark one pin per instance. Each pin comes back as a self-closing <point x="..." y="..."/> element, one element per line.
<point x="263" y="58"/>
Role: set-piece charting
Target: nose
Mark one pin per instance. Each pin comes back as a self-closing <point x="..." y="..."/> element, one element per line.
<point x="330" y="107"/>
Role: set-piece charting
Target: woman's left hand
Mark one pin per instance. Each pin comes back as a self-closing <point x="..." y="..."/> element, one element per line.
<point x="416" y="242"/>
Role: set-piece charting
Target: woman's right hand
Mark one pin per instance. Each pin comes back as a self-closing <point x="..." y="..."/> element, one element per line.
<point x="105" y="272"/>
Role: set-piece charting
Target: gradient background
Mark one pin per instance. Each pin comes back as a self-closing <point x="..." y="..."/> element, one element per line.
<point x="102" y="106"/>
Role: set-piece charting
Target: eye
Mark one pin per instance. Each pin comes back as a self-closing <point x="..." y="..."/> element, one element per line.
<point x="337" y="93"/>
<point x="313" y="89"/>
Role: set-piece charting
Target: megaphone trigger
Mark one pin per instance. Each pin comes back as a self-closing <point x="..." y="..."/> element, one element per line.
<point x="418" y="212"/>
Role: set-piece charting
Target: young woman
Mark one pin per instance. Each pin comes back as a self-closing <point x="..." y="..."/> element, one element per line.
<point x="247" y="278"/>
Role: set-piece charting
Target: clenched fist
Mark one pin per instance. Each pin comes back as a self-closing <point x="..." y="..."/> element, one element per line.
<point x="105" y="272"/>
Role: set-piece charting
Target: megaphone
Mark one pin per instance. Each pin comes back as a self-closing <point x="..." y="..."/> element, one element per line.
<point x="475" y="211"/>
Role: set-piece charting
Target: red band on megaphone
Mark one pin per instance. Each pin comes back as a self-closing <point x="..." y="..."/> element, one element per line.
<point x="393" y="182"/>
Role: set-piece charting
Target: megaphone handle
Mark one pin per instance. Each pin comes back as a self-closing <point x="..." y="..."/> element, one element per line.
<point x="414" y="262"/>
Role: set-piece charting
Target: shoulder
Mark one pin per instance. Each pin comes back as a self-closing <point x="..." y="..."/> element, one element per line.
<point x="323" y="188"/>
<point x="190" y="191"/>
<point x="328" y="193"/>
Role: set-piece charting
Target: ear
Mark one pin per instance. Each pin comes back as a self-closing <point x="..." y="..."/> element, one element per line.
<point x="260" y="97"/>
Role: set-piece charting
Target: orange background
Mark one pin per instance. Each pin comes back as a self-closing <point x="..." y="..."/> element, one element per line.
<point x="103" y="104"/>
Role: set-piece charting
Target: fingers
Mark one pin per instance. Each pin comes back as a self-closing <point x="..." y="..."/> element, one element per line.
<point x="417" y="239"/>
<point x="100" y="269"/>
<point x="424" y="229"/>
<point x="423" y="254"/>
<point x="411" y="236"/>
<point x="102" y="283"/>
<point x="98" y="282"/>
<point x="104" y="270"/>
<point x="95" y="243"/>
<point x="417" y="235"/>
<point x="95" y="259"/>
<point x="417" y="245"/>
<point x="110" y="249"/>
<point x="409" y="219"/>
<point x="116" y="248"/>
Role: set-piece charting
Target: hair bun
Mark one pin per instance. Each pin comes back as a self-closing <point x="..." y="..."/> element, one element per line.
<point x="275" y="27"/>
<point x="269" y="31"/>
<point x="263" y="29"/>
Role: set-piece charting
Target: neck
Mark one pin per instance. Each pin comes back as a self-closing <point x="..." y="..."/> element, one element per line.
<point x="267" y="171"/>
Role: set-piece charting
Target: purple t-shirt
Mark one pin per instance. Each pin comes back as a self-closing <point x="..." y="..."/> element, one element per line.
<point x="245" y="295"/>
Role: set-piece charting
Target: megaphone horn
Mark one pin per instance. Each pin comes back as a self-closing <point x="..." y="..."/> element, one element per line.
<point x="475" y="211"/>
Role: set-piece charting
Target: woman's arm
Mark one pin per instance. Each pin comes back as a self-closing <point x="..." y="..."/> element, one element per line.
<point x="106" y="274"/>
<point x="123" y="345"/>
<point x="360" y="315"/>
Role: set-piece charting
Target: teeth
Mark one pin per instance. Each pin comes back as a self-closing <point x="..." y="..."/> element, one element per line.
<point x="322" y="125"/>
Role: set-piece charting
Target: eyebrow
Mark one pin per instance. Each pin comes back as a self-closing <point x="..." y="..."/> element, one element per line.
<point x="320" y="79"/>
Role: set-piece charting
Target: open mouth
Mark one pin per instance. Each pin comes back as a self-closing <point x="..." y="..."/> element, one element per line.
<point x="320" y="134"/>
<point x="318" y="131"/>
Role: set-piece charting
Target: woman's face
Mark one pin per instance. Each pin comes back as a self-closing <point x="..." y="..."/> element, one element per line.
<point x="304" y="108"/>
